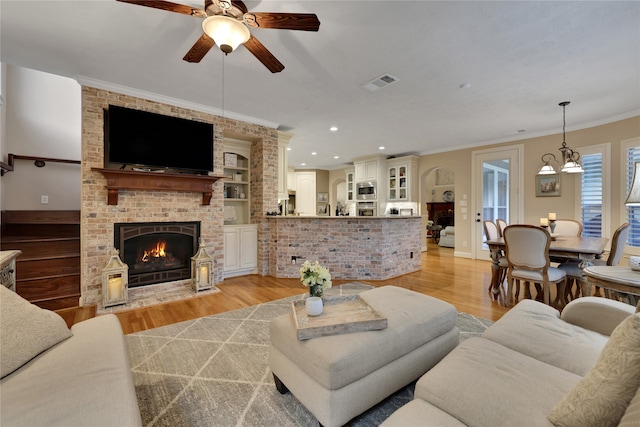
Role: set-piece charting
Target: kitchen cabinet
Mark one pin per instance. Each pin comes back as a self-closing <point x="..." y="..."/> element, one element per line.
<point x="366" y="170"/>
<point x="305" y="193"/>
<point x="402" y="179"/>
<point x="283" y="164"/>
<point x="240" y="250"/>
<point x="351" y="195"/>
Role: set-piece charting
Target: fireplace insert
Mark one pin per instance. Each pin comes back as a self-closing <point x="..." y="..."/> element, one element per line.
<point x="157" y="252"/>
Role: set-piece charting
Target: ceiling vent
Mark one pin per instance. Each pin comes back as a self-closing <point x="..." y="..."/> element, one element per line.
<point x="380" y="82"/>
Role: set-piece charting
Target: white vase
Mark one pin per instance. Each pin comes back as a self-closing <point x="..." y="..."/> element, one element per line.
<point x="314" y="306"/>
<point x="634" y="263"/>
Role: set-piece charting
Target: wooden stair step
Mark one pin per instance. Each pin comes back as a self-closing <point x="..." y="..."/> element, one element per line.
<point x="47" y="267"/>
<point x="44" y="247"/>
<point x="45" y="288"/>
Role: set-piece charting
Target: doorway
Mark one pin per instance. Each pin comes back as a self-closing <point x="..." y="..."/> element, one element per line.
<point x="496" y="191"/>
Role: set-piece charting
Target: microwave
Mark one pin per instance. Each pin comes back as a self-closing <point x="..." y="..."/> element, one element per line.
<point x="367" y="209"/>
<point x="366" y="190"/>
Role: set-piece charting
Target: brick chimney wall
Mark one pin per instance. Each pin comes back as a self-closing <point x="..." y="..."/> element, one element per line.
<point x="97" y="218"/>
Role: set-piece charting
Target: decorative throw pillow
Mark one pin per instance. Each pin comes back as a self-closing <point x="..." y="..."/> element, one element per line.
<point x="26" y="330"/>
<point x="602" y="396"/>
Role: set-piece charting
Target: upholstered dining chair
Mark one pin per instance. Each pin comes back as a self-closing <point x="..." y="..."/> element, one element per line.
<point x="575" y="278"/>
<point x="502" y="224"/>
<point x="527" y="252"/>
<point x="568" y="227"/>
<point x="492" y="232"/>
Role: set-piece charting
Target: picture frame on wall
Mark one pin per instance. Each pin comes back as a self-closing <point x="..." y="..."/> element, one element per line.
<point x="548" y="185"/>
<point x="323" y="209"/>
<point x="323" y="197"/>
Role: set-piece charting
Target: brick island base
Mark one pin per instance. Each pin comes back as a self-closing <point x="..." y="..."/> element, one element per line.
<point x="338" y="377"/>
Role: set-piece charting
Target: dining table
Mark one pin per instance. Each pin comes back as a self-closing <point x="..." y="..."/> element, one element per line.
<point x="570" y="247"/>
<point x="615" y="278"/>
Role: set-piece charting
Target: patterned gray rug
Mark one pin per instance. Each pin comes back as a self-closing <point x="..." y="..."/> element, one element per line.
<point x="214" y="371"/>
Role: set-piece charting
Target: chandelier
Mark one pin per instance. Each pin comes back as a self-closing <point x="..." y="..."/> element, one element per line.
<point x="570" y="158"/>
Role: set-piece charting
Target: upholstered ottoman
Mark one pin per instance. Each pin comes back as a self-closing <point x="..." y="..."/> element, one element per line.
<point x="340" y="376"/>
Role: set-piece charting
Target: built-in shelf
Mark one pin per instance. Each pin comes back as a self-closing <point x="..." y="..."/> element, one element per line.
<point x="118" y="179"/>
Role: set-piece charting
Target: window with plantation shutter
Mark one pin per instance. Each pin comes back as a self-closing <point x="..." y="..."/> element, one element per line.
<point x="591" y="195"/>
<point x="633" y="212"/>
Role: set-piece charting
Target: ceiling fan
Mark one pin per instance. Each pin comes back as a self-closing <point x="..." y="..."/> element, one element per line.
<point x="226" y="21"/>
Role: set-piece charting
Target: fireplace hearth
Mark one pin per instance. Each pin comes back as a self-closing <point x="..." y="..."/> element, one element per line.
<point x="157" y="252"/>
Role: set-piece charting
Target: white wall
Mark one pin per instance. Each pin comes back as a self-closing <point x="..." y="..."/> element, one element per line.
<point x="43" y="119"/>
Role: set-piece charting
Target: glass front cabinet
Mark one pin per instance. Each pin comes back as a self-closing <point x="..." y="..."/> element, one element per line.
<point x="401" y="177"/>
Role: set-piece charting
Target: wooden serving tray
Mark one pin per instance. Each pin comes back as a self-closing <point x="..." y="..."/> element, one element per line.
<point x="341" y="315"/>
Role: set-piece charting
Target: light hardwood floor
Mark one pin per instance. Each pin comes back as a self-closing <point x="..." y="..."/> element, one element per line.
<point x="459" y="281"/>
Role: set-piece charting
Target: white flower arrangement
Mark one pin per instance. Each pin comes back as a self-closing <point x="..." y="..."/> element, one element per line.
<point x="316" y="277"/>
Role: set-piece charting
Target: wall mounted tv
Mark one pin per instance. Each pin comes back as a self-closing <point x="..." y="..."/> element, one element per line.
<point x="148" y="141"/>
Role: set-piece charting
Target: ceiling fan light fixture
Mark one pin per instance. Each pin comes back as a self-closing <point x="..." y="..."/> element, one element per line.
<point x="226" y="32"/>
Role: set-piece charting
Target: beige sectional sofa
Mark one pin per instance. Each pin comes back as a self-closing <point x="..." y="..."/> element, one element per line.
<point x="535" y="366"/>
<point x="56" y="376"/>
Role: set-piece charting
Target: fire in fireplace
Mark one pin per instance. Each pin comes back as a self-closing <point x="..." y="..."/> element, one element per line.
<point x="157" y="252"/>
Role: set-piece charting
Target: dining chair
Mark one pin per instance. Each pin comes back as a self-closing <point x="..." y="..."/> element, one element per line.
<point x="575" y="278"/>
<point x="568" y="227"/>
<point x="502" y="224"/>
<point x="527" y="252"/>
<point x="492" y="232"/>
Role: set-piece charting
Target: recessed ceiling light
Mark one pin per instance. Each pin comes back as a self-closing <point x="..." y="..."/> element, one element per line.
<point x="303" y="164"/>
<point x="333" y="128"/>
<point x="288" y="148"/>
<point x="521" y="131"/>
<point x="380" y="148"/>
<point x="465" y="85"/>
<point x="313" y="153"/>
<point x="336" y="157"/>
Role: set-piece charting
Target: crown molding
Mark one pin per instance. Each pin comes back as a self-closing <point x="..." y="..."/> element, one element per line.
<point x="138" y="93"/>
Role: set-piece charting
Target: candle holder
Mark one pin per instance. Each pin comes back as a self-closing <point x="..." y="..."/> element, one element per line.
<point x="201" y="269"/>
<point x="115" y="281"/>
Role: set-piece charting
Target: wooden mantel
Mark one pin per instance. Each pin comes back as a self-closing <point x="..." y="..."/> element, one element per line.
<point x="118" y="179"/>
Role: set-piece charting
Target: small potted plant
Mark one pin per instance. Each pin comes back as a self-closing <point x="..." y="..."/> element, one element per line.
<point x="317" y="278"/>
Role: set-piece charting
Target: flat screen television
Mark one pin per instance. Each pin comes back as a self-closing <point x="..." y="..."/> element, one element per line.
<point x="148" y="141"/>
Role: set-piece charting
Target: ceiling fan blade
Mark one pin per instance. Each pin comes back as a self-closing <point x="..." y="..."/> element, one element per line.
<point x="199" y="49"/>
<point x="263" y="55"/>
<point x="284" y="21"/>
<point x="240" y="5"/>
<point x="169" y="6"/>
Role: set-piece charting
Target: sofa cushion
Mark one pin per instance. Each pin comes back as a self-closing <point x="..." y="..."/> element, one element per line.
<point x="419" y="412"/>
<point x="631" y="417"/>
<point x="83" y="381"/>
<point x="535" y="329"/>
<point x="602" y="396"/>
<point x="485" y="384"/>
<point x="26" y="330"/>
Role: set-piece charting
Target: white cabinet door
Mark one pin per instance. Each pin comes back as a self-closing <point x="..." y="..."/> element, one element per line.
<point x="249" y="247"/>
<point x="306" y="193"/>
<point x="283" y="192"/>
<point x="240" y="250"/>
<point x="367" y="171"/>
<point x="231" y="249"/>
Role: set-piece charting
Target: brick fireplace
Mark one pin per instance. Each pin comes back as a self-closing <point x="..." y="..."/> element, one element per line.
<point x="157" y="252"/>
<point x="137" y="206"/>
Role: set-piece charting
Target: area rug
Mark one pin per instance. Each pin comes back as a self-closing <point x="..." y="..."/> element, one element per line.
<point x="213" y="371"/>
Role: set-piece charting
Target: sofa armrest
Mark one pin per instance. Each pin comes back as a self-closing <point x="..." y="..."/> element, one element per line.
<point x="601" y="315"/>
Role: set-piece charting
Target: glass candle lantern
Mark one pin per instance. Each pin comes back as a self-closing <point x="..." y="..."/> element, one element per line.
<point x="115" y="281"/>
<point x="201" y="269"/>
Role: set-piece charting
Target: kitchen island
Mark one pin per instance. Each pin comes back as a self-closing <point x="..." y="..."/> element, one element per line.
<point x="351" y="247"/>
